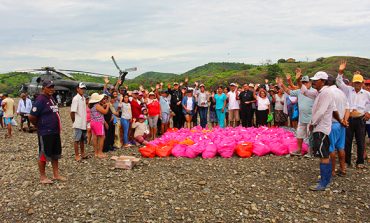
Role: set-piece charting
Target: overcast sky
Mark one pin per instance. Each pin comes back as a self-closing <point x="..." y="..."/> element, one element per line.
<point x="175" y="36"/>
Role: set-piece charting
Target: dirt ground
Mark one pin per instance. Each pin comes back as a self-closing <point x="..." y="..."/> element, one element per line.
<point x="258" y="189"/>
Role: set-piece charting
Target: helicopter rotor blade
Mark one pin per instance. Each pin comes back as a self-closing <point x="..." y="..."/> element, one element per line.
<point x="63" y="74"/>
<point x="115" y="63"/>
<point x="131" y="69"/>
<point x="85" y="72"/>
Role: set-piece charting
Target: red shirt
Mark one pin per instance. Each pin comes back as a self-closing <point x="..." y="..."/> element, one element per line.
<point x="153" y="108"/>
<point x="135" y="108"/>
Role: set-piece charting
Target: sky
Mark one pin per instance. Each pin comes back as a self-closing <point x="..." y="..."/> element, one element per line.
<point x="176" y="36"/>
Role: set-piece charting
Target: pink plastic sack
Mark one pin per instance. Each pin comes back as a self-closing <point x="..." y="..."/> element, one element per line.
<point x="305" y="148"/>
<point x="210" y="151"/>
<point x="179" y="150"/>
<point x="260" y="149"/>
<point x="278" y="149"/>
<point x="226" y="150"/>
<point x="194" y="150"/>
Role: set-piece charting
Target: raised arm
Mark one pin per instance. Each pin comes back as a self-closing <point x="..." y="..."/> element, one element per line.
<point x="340" y="83"/>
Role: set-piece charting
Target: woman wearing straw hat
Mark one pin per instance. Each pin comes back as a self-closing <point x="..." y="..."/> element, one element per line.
<point x="99" y="107"/>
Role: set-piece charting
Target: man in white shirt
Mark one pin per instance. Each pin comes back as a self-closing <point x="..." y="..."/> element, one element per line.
<point x="233" y="97"/>
<point x="24" y="109"/>
<point x="78" y="116"/>
<point x="320" y="125"/>
<point x="359" y="101"/>
<point x="337" y="134"/>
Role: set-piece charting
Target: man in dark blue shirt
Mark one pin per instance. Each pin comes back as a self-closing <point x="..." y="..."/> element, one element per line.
<point x="45" y="116"/>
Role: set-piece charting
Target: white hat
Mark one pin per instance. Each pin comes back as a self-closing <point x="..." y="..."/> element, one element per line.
<point x="251" y="85"/>
<point x="321" y="75"/>
<point x="81" y="85"/>
<point x="233" y="84"/>
<point x="95" y="97"/>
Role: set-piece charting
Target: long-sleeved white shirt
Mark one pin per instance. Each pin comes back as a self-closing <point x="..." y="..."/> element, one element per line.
<point x="322" y="111"/>
<point x="341" y="102"/>
<point x="24" y="106"/>
<point x="358" y="101"/>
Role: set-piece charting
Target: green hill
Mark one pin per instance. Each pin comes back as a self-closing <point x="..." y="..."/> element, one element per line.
<point x="213" y="74"/>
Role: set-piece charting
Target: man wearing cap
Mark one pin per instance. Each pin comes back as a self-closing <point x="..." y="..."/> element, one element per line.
<point x="45" y="116"/>
<point x="78" y="116"/>
<point x="246" y="101"/>
<point x="233" y="97"/>
<point x="176" y="98"/>
<point x="320" y="125"/>
<point x="305" y="103"/>
<point x="9" y="110"/>
<point x="202" y="102"/>
<point x="359" y="101"/>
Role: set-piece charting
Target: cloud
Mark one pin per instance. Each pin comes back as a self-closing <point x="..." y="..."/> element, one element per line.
<point x="176" y="36"/>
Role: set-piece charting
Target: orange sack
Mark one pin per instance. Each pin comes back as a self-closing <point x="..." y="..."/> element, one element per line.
<point x="148" y="151"/>
<point x="244" y="149"/>
<point x="163" y="151"/>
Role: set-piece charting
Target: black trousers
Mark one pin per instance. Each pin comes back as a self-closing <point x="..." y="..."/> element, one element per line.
<point x="261" y="117"/>
<point x="109" y="137"/>
<point x="246" y="115"/>
<point x="178" y="119"/>
<point x="357" y="129"/>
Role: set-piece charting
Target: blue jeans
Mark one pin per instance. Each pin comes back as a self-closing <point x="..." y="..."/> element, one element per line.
<point x="221" y="117"/>
<point x="203" y="116"/>
<point x="125" y="125"/>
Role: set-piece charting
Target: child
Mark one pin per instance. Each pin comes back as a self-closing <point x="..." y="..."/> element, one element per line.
<point x="141" y="130"/>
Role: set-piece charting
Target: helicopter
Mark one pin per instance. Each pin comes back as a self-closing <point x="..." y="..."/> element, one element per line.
<point x="65" y="83"/>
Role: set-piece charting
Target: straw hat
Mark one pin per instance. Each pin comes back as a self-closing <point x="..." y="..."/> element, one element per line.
<point x="95" y="97"/>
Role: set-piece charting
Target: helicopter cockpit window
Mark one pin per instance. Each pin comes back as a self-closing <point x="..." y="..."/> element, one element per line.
<point x="34" y="79"/>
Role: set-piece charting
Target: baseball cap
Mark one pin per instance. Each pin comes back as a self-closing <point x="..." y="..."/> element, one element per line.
<point x="48" y="83"/>
<point x="367" y="81"/>
<point x="358" y="78"/>
<point x="135" y="92"/>
<point x="141" y="94"/>
<point x="321" y="75"/>
<point x="175" y="83"/>
<point x="305" y="79"/>
<point x="201" y="85"/>
<point x="82" y="85"/>
<point x="251" y="85"/>
<point x="233" y="84"/>
<point x="141" y="116"/>
<point x="151" y="93"/>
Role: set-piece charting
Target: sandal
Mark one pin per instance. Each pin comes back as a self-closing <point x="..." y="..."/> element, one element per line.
<point x="46" y="181"/>
<point x="360" y="166"/>
<point x="341" y="173"/>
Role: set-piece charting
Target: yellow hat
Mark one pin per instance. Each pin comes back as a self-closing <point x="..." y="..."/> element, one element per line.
<point x="358" y="78"/>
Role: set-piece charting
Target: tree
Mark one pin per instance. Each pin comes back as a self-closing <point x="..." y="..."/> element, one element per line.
<point x="320" y="59"/>
<point x="273" y="70"/>
<point x="282" y="60"/>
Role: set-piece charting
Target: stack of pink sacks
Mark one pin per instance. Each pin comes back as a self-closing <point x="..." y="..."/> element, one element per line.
<point x="207" y="143"/>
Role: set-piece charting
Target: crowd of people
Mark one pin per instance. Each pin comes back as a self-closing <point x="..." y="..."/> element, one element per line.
<point x="328" y="111"/>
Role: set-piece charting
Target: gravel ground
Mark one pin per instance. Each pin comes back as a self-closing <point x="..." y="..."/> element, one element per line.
<point x="259" y="189"/>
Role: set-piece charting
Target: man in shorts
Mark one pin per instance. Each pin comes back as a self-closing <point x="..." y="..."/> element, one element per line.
<point x="233" y="97"/>
<point x="45" y="116"/>
<point x="9" y="109"/>
<point x="24" y="109"/>
<point x="320" y="125"/>
<point x="338" y="128"/>
<point x="78" y="116"/>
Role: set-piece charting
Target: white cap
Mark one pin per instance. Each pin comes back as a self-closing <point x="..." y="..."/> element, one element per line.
<point x="233" y="84"/>
<point x="321" y="75"/>
<point x="81" y="85"/>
